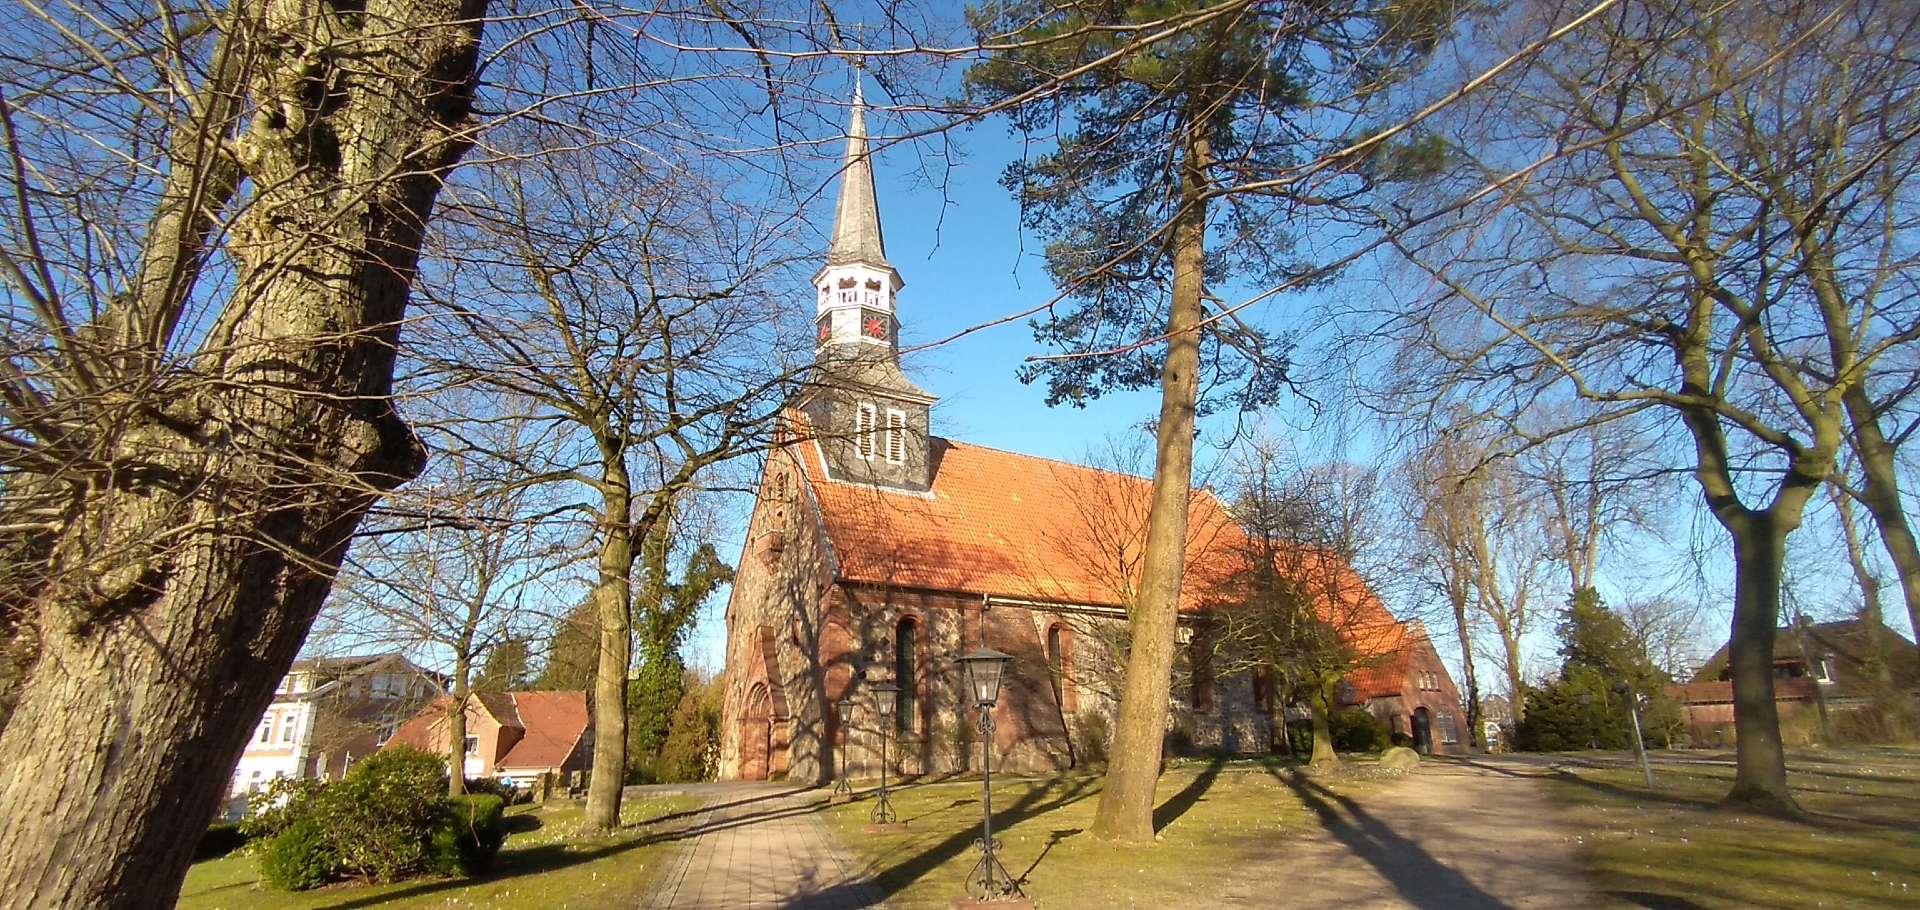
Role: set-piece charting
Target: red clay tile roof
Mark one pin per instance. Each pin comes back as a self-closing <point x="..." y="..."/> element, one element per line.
<point x="554" y="722"/>
<point x="552" y="725"/>
<point x="1009" y="525"/>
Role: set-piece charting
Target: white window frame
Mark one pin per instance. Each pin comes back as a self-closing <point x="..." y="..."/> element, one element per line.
<point x="896" y="436"/>
<point x="266" y="730"/>
<point x="286" y="729"/>
<point x="473" y="745"/>
<point x="865" y="428"/>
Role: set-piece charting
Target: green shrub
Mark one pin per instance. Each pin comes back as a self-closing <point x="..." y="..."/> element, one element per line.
<point x="466" y="834"/>
<point x="1300" y="737"/>
<point x="300" y="857"/>
<point x="276" y="805"/>
<point x="220" y="839"/>
<point x="1092" y="735"/>
<point x="381" y="813"/>
<point x="1357" y="730"/>
<point x="691" y="749"/>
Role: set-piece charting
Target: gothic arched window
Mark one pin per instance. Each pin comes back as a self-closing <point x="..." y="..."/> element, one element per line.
<point x="906" y="674"/>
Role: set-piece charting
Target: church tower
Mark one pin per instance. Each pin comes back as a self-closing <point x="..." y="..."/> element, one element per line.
<point x="870" y="419"/>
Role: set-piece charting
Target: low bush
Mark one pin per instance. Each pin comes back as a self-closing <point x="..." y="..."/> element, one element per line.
<point x="1357" y="730"/>
<point x="300" y="857"/>
<point x="466" y="833"/>
<point x="1092" y="735"/>
<point x="220" y="839"/>
<point x="272" y="807"/>
<point x="1300" y="737"/>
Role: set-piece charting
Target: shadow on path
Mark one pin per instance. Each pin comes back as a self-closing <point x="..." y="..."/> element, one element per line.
<point x="1422" y="881"/>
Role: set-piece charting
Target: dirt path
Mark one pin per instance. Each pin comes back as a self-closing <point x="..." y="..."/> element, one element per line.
<point x="1475" y="834"/>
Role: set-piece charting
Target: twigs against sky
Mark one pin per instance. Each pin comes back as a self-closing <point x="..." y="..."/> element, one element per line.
<point x="1734" y="267"/>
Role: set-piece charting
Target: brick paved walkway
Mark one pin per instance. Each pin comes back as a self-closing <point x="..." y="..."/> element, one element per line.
<point x="761" y="848"/>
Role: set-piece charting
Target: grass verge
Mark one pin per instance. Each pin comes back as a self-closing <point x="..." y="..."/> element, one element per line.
<point x="545" y="863"/>
<point x="1209" y="816"/>
<point x="1675" y="848"/>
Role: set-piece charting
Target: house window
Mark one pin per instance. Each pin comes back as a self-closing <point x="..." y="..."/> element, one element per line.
<point x="286" y="730"/>
<point x="863" y="431"/>
<point x="1449" y="734"/>
<point x="266" y="729"/>
<point x="896" y="437"/>
<point x="1823" y="669"/>
<point x="906" y="675"/>
<point x="473" y="745"/>
<point x="386" y="733"/>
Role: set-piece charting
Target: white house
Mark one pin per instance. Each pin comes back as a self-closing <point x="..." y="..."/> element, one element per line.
<point x="329" y="712"/>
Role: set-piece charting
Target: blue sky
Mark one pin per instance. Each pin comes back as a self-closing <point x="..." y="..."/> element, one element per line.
<point x="961" y="251"/>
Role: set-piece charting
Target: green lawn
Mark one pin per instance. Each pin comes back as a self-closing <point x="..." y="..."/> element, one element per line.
<point x="544" y="863"/>
<point x="1208" y="817"/>
<point x="1674" y="848"/>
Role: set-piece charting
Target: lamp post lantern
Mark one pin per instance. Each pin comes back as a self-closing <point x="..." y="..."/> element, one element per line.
<point x="885" y="697"/>
<point x="842" y="789"/>
<point x="985" y="668"/>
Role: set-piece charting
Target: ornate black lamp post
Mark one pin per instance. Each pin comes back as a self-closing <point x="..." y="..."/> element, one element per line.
<point x="885" y="696"/>
<point x="989" y="880"/>
<point x="842" y="789"/>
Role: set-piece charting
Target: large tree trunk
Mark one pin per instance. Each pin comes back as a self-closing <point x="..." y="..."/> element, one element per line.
<point x="1510" y="647"/>
<point x="1320" y="706"/>
<point x="1760" y="774"/>
<point x="1881" y="495"/>
<point x="1475" y="728"/>
<point x="1125" y="812"/>
<point x="183" y="587"/>
<point x="613" y="603"/>
<point x="457" y="726"/>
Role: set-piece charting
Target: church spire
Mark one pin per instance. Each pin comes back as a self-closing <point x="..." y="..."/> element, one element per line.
<point x="856" y="219"/>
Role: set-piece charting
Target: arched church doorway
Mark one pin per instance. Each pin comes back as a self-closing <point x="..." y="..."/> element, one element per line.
<point x="1422" y="731"/>
<point x="756" y="735"/>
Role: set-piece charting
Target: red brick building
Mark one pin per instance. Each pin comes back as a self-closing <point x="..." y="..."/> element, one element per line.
<point x="880" y="552"/>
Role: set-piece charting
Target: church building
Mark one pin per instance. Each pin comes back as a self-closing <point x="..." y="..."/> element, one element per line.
<point x="878" y="552"/>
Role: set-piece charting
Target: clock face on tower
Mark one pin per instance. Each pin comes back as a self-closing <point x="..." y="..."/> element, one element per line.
<point x="875" y="325"/>
<point x="826" y="329"/>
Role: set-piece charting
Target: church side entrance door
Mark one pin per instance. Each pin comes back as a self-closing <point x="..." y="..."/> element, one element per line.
<point x="1422" y="731"/>
<point x="756" y="735"/>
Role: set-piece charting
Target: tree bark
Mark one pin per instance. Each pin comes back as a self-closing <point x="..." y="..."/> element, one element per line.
<point x="1881" y="495"/>
<point x="1760" y="775"/>
<point x="1468" y="674"/>
<point x="457" y="726"/>
<point x="1321" y="707"/>
<point x="184" y="586"/>
<point x="1125" y="812"/>
<point x="613" y="603"/>
<point x="1510" y="646"/>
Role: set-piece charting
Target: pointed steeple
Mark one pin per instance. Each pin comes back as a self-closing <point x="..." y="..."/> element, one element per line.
<point x="856" y="219"/>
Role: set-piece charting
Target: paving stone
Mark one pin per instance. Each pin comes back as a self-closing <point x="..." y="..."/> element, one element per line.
<point x="759" y="848"/>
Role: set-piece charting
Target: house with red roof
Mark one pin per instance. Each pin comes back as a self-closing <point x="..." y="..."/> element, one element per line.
<point x="879" y="552"/>
<point x="511" y="736"/>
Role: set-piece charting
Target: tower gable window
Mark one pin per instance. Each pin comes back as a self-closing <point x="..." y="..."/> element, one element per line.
<point x="896" y="436"/>
<point x="863" y="430"/>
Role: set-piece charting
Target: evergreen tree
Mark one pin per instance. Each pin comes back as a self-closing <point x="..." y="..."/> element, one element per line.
<point x="666" y="614"/>
<point x="574" y="651"/>
<point x="1603" y="664"/>
<point x="1163" y="106"/>
<point x="508" y="667"/>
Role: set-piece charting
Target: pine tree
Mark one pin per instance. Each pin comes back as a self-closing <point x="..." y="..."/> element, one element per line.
<point x="1162" y="107"/>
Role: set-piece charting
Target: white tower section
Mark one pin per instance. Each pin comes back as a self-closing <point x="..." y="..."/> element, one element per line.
<point x="855" y="291"/>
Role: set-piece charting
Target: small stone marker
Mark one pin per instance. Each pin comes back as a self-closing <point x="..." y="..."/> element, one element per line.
<point x="1399" y="758"/>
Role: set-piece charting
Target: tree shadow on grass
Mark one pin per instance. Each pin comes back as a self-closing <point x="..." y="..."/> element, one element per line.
<point x="1195" y="790"/>
<point x="1654" y="901"/>
<point x="1422" y="881"/>
<point x="1040" y="800"/>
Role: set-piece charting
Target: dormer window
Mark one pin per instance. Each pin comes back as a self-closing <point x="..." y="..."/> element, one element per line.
<point x="896" y="437"/>
<point x="863" y="430"/>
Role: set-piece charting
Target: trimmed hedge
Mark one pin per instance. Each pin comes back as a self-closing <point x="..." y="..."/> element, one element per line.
<point x="466" y="834"/>
<point x="300" y="857"/>
<point x="1357" y="730"/>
